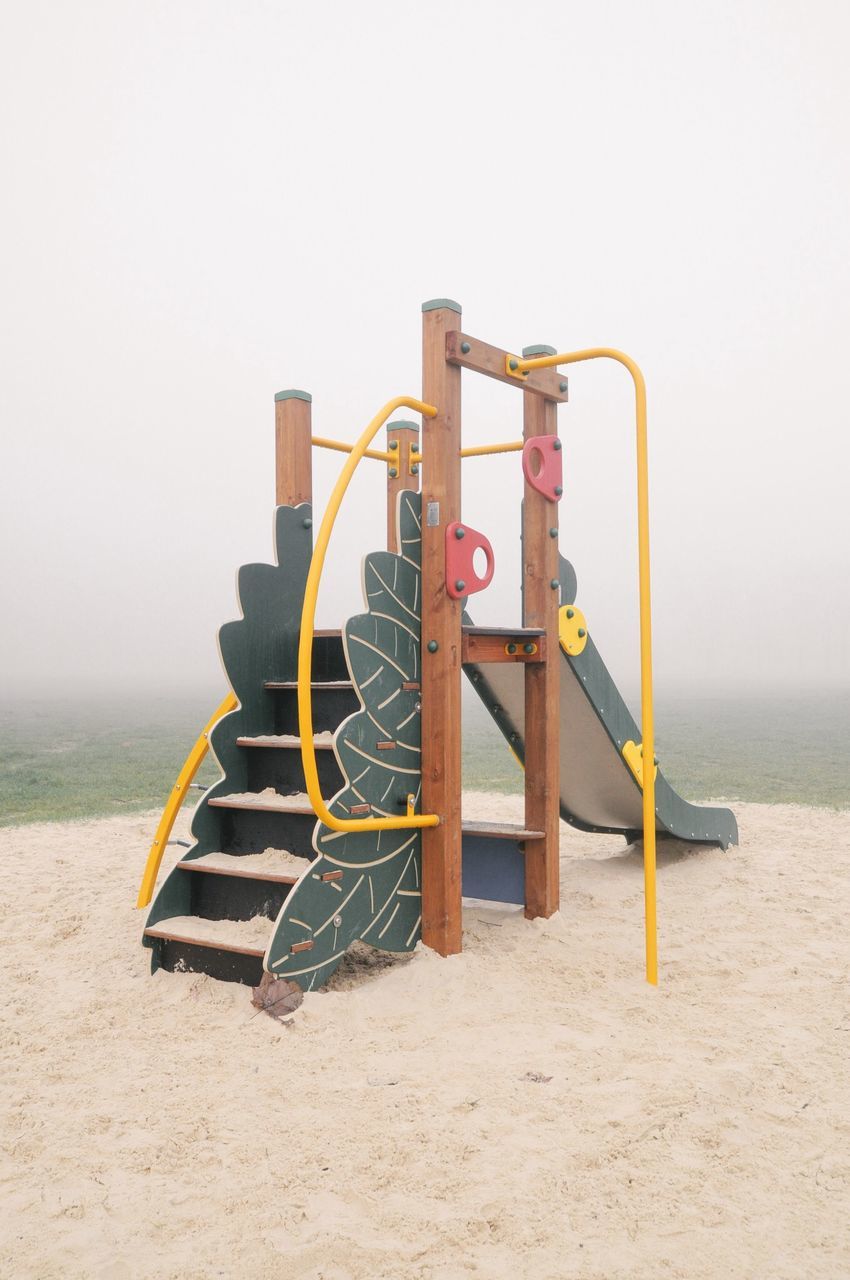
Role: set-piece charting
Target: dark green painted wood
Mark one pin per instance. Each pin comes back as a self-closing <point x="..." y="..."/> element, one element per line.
<point x="377" y="899"/>
<point x="261" y="645"/>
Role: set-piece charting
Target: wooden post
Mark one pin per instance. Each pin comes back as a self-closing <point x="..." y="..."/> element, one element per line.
<point x="293" y="448"/>
<point x="542" y="710"/>
<point x="441" y="636"/>
<point x="405" y="436"/>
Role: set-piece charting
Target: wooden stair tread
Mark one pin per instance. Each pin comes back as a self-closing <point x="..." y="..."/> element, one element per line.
<point x="285" y="869"/>
<point x="264" y="803"/>
<point x="287" y="741"/>
<point x="314" y="684"/>
<point x="221" y="935"/>
<point x="504" y="631"/>
<point x="499" y="830"/>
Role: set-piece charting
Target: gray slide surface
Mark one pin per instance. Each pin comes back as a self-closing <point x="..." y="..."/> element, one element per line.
<point x="598" y="790"/>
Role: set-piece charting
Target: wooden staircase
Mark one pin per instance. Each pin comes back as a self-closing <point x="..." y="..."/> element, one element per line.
<point x="228" y="900"/>
<point x="265" y="834"/>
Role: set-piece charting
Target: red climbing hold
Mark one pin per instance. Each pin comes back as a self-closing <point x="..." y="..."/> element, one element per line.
<point x="542" y="466"/>
<point x="461" y="546"/>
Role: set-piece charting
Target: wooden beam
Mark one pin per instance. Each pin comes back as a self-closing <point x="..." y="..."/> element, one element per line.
<point x="293" y="448"/>
<point x="542" y="710"/>
<point x="478" y="646"/>
<point x="405" y="435"/>
<point x="441" y="637"/>
<point x="491" y="361"/>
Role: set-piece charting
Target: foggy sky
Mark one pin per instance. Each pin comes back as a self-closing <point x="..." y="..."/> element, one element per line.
<point x="205" y="203"/>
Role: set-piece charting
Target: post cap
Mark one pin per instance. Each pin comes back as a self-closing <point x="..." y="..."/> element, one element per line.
<point x="402" y="426"/>
<point x="438" y="304"/>
<point x="540" y="349"/>
<point x="293" y="395"/>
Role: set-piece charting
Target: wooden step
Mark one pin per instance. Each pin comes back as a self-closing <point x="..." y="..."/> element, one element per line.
<point x="250" y="866"/>
<point x="261" y="803"/>
<point x="287" y="741"/>
<point x="499" y="830"/>
<point x="314" y="684"/>
<point x="238" y="936"/>
<point x="530" y="633"/>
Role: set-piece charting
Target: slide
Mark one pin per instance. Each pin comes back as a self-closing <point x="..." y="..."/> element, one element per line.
<point x="599" y="790"/>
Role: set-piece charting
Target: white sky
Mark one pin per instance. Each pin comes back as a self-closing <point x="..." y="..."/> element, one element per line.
<point x="204" y="203"/>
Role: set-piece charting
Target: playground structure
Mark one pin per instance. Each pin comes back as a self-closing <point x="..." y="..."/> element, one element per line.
<point x="338" y="813"/>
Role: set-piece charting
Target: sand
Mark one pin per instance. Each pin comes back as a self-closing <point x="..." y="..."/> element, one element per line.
<point x="527" y="1109"/>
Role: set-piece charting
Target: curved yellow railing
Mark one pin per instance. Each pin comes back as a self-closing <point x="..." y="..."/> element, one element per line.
<point x="342" y="446"/>
<point x="517" y="367"/>
<point x="178" y="794"/>
<point x="305" y="641"/>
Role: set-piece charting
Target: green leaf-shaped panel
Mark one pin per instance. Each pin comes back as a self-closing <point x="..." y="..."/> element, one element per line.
<point x="367" y="885"/>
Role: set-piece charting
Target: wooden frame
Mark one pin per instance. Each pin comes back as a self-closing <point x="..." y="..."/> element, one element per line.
<point x="293" y="448"/>
<point x="441" y="637"/>
<point x="541" y="600"/>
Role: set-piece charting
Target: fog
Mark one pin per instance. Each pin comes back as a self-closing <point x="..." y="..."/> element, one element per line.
<point x="205" y="203"/>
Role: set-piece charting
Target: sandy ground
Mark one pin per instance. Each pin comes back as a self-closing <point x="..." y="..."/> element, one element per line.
<point x="528" y="1109"/>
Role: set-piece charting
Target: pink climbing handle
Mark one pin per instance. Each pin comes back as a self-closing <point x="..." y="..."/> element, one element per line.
<point x="549" y="478"/>
<point x="461" y="546"/>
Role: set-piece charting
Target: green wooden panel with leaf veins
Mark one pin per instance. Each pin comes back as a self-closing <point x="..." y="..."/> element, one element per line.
<point x="377" y="896"/>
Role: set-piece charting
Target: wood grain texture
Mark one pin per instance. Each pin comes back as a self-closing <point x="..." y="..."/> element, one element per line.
<point x="542" y="730"/>
<point x="441" y="622"/>
<point x="489" y="360"/>
<point x="496" y="648"/>
<point x="293" y="452"/>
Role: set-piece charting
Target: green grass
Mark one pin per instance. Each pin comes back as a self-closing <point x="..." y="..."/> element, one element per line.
<point x="64" y="760"/>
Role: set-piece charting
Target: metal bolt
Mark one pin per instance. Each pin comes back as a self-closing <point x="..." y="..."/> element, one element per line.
<point x="553" y="533"/>
<point x="559" y="489"/>
<point x="432" y="646"/>
<point x="562" y="386"/>
<point x="511" y="648"/>
<point x="465" y="348"/>
<point x="337" y="921"/>
<point x="414" y="469"/>
<point x="307" y="522"/>
<point x="513" y="364"/>
<point x="418" y="706"/>
<point x="460" y="532"/>
<point x="581" y="633"/>
<point x="394" y="444"/>
<point x="460" y="585"/>
<point x="529" y="648"/>
<point x="555" y="583"/>
<point x="556" y="445"/>
<point x="393" y="473"/>
<point x="571" y="613"/>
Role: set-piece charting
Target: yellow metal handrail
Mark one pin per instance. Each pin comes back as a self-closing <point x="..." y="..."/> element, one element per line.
<point x="178" y="794"/>
<point x="475" y="451"/>
<point x="305" y="642"/>
<point x="517" y="368"/>
<point x="482" y="450"/>
<point x="342" y="446"/>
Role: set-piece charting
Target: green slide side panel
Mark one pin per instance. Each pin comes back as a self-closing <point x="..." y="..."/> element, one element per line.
<point x="261" y="645"/>
<point x="675" y="816"/>
<point x="374" y="890"/>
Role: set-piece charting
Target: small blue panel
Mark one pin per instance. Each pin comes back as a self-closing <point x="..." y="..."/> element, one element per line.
<point x="493" y="870"/>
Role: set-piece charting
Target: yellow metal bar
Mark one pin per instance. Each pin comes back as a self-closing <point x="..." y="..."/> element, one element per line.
<point x="517" y="367"/>
<point x="477" y="451"/>
<point x="178" y="794"/>
<point x="481" y="450"/>
<point x="341" y="446"/>
<point x="305" y="642"/>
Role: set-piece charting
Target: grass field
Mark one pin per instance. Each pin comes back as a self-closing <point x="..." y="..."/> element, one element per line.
<point x="61" y="760"/>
